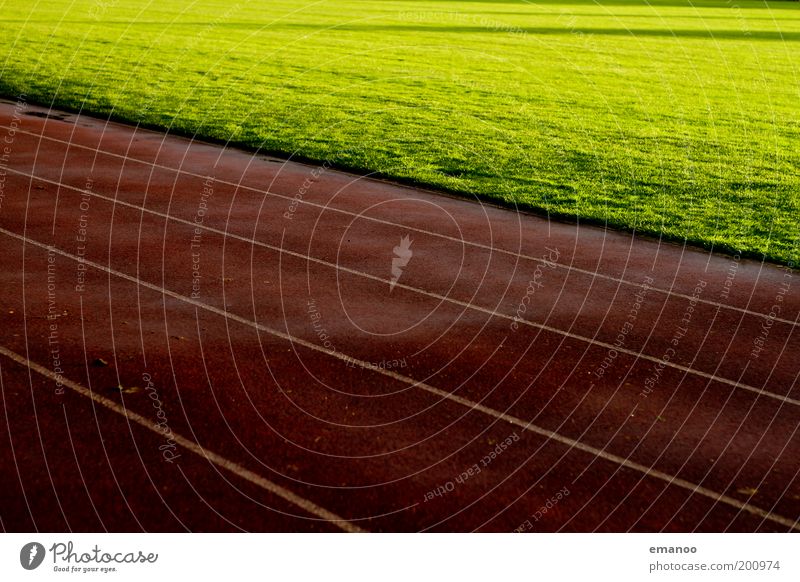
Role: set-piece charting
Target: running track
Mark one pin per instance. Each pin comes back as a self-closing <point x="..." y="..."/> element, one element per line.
<point x="190" y="336"/>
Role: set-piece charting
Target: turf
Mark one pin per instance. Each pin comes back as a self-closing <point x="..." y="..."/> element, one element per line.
<point x="677" y="119"/>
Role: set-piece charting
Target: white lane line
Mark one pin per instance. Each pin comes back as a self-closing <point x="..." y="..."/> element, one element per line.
<point x="569" y="442"/>
<point x="218" y="460"/>
<point x="491" y="249"/>
<point x="437" y="296"/>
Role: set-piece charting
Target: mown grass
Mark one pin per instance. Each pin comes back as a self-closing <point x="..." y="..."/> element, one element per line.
<point x="678" y="119"/>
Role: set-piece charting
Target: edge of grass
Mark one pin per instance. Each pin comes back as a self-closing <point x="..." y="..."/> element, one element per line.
<point x="7" y="94"/>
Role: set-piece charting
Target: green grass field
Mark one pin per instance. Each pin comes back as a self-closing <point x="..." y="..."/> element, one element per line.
<point x="675" y="118"/>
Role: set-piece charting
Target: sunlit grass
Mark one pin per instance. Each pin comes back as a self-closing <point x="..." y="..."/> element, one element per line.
<point x="675" y="118"/>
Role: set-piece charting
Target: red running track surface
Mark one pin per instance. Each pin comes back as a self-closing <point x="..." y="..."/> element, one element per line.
<point x="200" y="338"/>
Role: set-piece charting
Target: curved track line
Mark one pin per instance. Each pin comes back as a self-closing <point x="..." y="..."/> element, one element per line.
<point x="218" y="460"/>
<point x="431" y="294"/>
<point x="527" y="426"/>
<point x="491" y="249"/>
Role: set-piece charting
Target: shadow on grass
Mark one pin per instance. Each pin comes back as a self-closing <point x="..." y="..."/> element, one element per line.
<point x="490" y="27"/>
<point x="718" y="4"/>
<point x="563" y="31"/>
